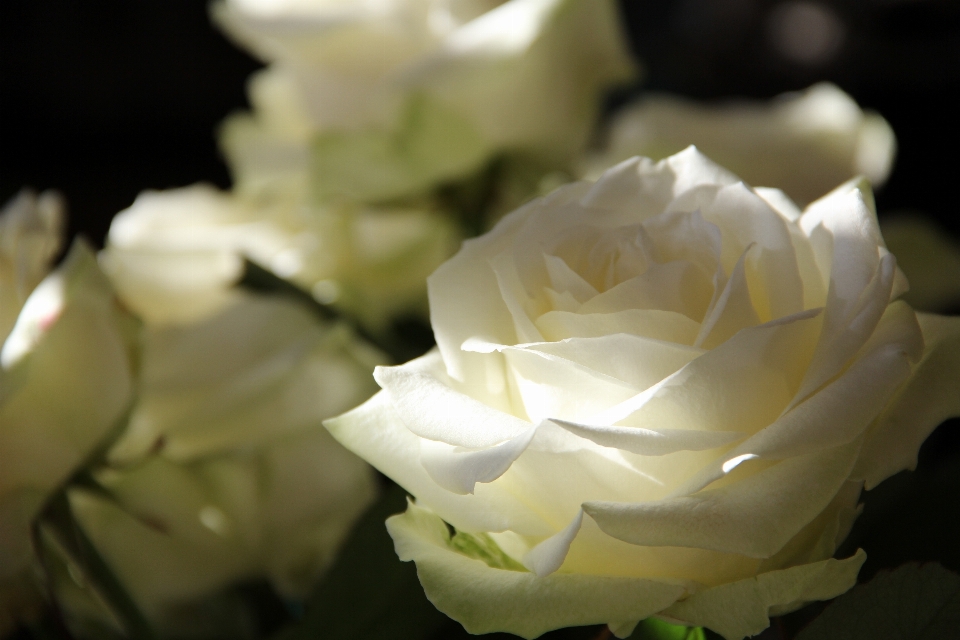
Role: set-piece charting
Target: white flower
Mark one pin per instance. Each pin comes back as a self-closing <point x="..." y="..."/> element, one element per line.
<point x="175" y="255"/>
<point x="657" y="394"/>
<point x="30" y="237"/>
<point x="378" y="100"/>
<point x="65" y="372"/>
<point x="803" y="143"/>
<point x="225" y="472"/>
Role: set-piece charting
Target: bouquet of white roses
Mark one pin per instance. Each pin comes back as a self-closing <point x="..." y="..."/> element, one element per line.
<point x="624" y="373"/>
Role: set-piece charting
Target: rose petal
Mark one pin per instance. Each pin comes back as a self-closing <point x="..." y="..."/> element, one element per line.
<point x="430" y="408"/>
<point x="465" y="300"/>
<point x="732" y="310"/>
<point x="563" y="279"/>
<point x="375" y="432"/>
<point x="840" y="411"/>
<point x="744" y="220"/>
<point x="843" y="231"/>
<point x="931" y="395"/>
<point x="651" y="323"/>
<point x="460" y="470"/>
<point x="515" y="297"/>
<point x="484" y="599"/>
<point x="547" y="556"/>
<point x="742" y="385"/>
<point x="678" y="286"/>
<point x="836" y="415"/>
<point x="543" y="382"/>
<point x="636" y="360"/>
<point x="60" y="398"/>
<point x="648" y="442"/>
<point x="743" y="608"/>
<point x="755" y="516"/>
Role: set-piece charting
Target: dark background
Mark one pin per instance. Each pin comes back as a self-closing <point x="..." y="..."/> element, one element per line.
<point x="104" y="98"/>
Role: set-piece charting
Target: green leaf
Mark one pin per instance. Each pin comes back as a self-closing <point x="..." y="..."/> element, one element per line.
<point x="369" y="593"/>
<point x="913" y="601"/>
<point x="654" y="629"/>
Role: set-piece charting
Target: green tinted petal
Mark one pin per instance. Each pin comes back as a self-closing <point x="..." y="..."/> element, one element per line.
<point x="432" y="144"/>
<point x="486" y="599"/>
<point x="743" y="608"/>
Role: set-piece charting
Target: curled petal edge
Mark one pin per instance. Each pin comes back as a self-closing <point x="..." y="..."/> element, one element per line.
<point x="485" y="599"/>
<point x="743" y="608"/>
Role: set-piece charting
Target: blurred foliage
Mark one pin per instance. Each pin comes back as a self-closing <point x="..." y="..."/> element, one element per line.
<point x="914" y="601"/>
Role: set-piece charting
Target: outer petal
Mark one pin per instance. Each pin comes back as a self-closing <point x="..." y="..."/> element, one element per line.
<point x="375" y="432"/>
<point x="742" y="385"/>
<point x="930" y="396"/>
<point x="529" y="69"/>
<point x="804" y="143"/>
<point x="484" y="599"/>
<point x="171" y="256"/>
<point x="465" y="300"/>
<point x="65" y="381"/>
<point x="460" y="470"/>
<point x="755" y="516"/>
<point x="862" y="276"/>
<point x="261" y="368"/>
<point x="430" y="408"/>
<point x="743" y="608"/>
<point x="644" y="188"/>
<point x="30" y="230"/>
<point x="841" y="410"/>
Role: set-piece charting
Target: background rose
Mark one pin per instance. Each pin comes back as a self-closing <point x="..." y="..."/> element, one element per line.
<point x="383" y="100"/>
<point x="175" y="255"/>
<point x="31" y="237"/>
<point x="656" y="394"/>
<point x="65" y="371"/>
<point x="225" y="473"/>
<point x="804" y="143"/>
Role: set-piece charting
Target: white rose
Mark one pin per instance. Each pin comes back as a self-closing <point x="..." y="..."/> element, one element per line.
<point x="30" y="237"/>
<point x="65" y="378"/>
<point x="803" y="143"/>
<point x="225" y="472"/>
<point x="657" y="394"/>
<point x="175" y="255"/>
<point x="385" y="99"/>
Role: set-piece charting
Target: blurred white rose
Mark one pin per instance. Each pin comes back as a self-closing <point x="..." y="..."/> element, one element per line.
<point x="65" y="371"/>
<point x="657" y="394"/>
<point x="225" y="472"/>
<point x="803" y="143"/>
<point x="376" y="100"/>
<point x="30" y="237"/>
<point x="174" y="255"/>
